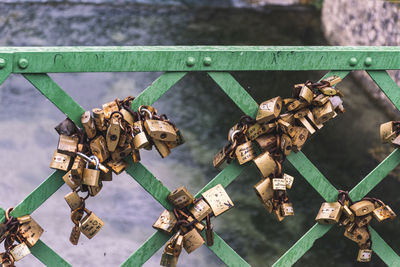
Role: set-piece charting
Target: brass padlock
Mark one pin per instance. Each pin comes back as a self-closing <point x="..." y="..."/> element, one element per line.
<point x="245" y="152"/>
<point x="166" y="222"/>
<point x="310" y="118"/>
<point x="24" y="219"/>
<point x="127" y="116"/>
<point x="264" y="190"/>
<point x="91" y="177"/>
<point x="71" y="181"/>
<point x="267" y="142"/>
<point x="168" y="258"/>
<point x="60" y="161"/>
<point x="106" y="176"/>
<point x="200" y="210"/>
<point x="297" y="105"/>
<point x="329" y="213"/>
<point x="278" y="184"/>
<point x="160" y="130"/>
<point x="19" y="251"/>
<point x="99" y="119"/>
<point x="109" y="108"/>
<point x="73" y="200"/>
<point x="286" y="144"/>
<point x="332" y="80"/>
<point x="179" y="140"/>
<point x="219" y="158"/>
<point x="88" y="124"/>
<point x="68" y="144"/>
<point x="94" y="190"/>
<point x="269" y="109"/>
<point x="30" y="232"/>
<point x="113" y="132"/>
<point x="121" y="152"/>
<point x="364" y="255"/>
<point x="328" y="91"/>
<point x="306" y="94"/>
<point x="324" y="113"/>
<point x="299" y="137"/>
<point x="180" y="198"/>
<point x="387" y="132"/>
<point x="306" y="124"/>
<point x="118" y="166"/>
<point x="349" y="214"/>
<point x="320" y="100"/>
<point x="98" y="147"/>
<point x="362" y="207"/>
<point x="255" y="130"/>
<point x="91" y="225"/>
<point x="75" y="234"/>
<point x="161" y="148"/>
<point x="77" y="168"/>
<point x="383" y="212"/>
<point x="288" y="180"/>
<point x="218" y="199"/>
<point x="140" y="139"/>
<point x="360" y="235"/>
<point x="265" y="164"/>
<point x="278" y="214"/>
<point x="285" y="126"/>
<point x="287" y="209"/>
<point x="192" y="240"/>
<point x="363" y="221"/>
<point x="288" y="117"/>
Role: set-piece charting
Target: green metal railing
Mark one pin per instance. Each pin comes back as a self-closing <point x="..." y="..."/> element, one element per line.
<point x="34" y="62"/>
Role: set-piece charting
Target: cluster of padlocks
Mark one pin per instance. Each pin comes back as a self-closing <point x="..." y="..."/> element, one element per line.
<point x="91" y="154"/>
<point x="24" y="230"/>
<point x="355" y="217"/>
<point x="185" y="221"/>
<point x="277" y="133"/>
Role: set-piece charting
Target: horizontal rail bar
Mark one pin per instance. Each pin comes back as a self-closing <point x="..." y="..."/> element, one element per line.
<point x="193" y="58"/>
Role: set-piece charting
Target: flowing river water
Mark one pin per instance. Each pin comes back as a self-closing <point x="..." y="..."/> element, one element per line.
<point x="345" y="150"/>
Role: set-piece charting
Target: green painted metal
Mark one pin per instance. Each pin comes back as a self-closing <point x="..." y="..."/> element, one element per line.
<point x="35" y="62"/>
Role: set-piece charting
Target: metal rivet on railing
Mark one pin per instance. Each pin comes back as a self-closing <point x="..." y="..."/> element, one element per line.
<point x="2" y="63"/>
<point x="207" y="61"/>
<point x="23" y="63"/>
<point x="190" y="61"/>
<point x="368" y="61"/>
<point x="353" y="61"/>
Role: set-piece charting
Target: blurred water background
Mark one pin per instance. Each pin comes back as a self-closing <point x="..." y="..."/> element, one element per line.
<point x="345" y="150"/>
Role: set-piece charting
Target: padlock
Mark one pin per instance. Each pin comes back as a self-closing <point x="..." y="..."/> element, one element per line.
<point x="320" y="100"/>
<point x="30" y="232"/>
<point x="66" y="127"/>
<point x="209" y="233"/>
<point x="364" y="255"/>
<point x="19" y="251"/>
<point x="299" y="137"/>
<point x="106" y="176"/>
<point x="324" y="113"/>
<point x="278" y="215"/>
<point x="278" y="184"/>
<point x="360" y="235"/>
<point x="328" y="91"/>
<point x="383" y="212"/>
<point x="363" y="220"/>
<point x="218" y="199"/>
<point x="287" y="209"/>
<point x="311" y="120"/>
<point x="286" y="144"/>
<point x="109" y="108"/>
<point x="67" y="144"/>
<point x="300" y="114"/>
<point x="265" y="164"/>
<point x="180" y="197"/>
<point x="98" y="147"/>
<point x="71" y="181"/>
<point x="264" y="190"/>
<point x="287" y="101"/>
<point x="60" y="161"/>
<point x="329" y="213"/>
<point x="75" y="234"/>
<point x="118" y="166"/>
<point x="113" y="132"/>
<point x="288" y="180"/>
<point x="166" y="222"/>
<point x="200" y="210"/>
<point x="24" y="219"/>
<point x="192" y="240"/>
<point x="245" y="152"/>
<point x="73" y="200"/>
<point x="94" y="190"/>
<point x="91" y="225"/>
<point x="306" y="94"/>
<point x="297" y="105"/>
<point x="91" y="177"/>
<point x="255" y="130"/>
<point x="219" y="158"/>
<point x="121" y="152"/>
<point x="88" y="124"/>
<point x="160" y="130"/>
<point x="349" y="214"/>
<point x="266" y="142"/>
<point x="332" y="80"/>
<point x="178" y="141"/>
<point x="387" y="132"/>
<point x="135" y="156"/>
<point x="306" y="124"/>
<point x="99" y="119"/>
<point x="269" y="109"/>
<point x="127" y="116"/>
<point x="161" y="148"/>
<point x="362" y="207"/>
<point x="77" y="168"/>
<point x="288" y="117"/>
<point x="140" y="139"/>
<point x="168" y="258"/>
<point x="285" y="126"/>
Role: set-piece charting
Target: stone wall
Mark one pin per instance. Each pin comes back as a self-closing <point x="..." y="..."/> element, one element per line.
<point x="364" y="22"/>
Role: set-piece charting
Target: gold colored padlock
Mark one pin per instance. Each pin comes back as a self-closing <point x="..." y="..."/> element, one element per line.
<point x="19" y="251"/>
<point x="362" y="207"/>
<point x="299" y="137"/>
<point x="77" y="168"/>
<point x="266" y="142"/>
<point x="297" y="105"/>
<point x="140" y="139"/>
<point x="332" y="80"/>
<point x="161" y="148"/>
<point x="218" y="199"/>
<point x="360" y="235"/>
<point x="269" y="109"/>
<point x="117" y="166"/>
<point x="73" y="200"/>
<point x="192" y="240"/>
<point x="113" y="133"/>
<point x="121" y="152"/>
<point x="255" y="130"/>
<point x="60" y="161"/>
<point x="127" y="116"/>
<point x="363" y="220"/>
<point x="135" y="156"/>
<point x="245" y="152"/>
<point x="200" y="210"/>
<point x="364" y="255"/>
<point x="286" y="144"/>
<point x="160" y="130"/>
<point x="180" y="198"/>
<point x="265" y="164"/>
<point x="219" y="158"/>
<point x="288" y="117"/>
<point x="287" y="209"/>
<point x="71" y="181"/>
<point x="88" y="124"/>
<point x="166" y="222"/>
<point x="94" y="190"/>
<point x="383" y="212"/>
<point x="109" y="108"/>
<point x="329" y="213"/>
<point x="91" y="225"/>
<point x="98" y="146"/>
<point x="324" y="113"/>
<point x="387" y="132"/>
<point x="306" y="94"/>
<point x="320" y="100"/>
<point x="30" y="232"/>
<point x="67" y="144"/>
<point x="306" y="124"/>
<point x="278" y="215"/>
<point x="264" y="190"/>
<point x="99" y="119"/>
<point x="328" y="91"/>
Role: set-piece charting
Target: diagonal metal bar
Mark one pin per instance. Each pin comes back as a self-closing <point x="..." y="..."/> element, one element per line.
<point x="236" y="92"/>
<point x="159" y="87"/>
<point x="57" y="96"/>
<point x="46" y="255"/>
<point x="387" y="85"/>
<point x="383" y="250"/>
<point x="4" y="75"/>
<point x="150" y="183"/>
